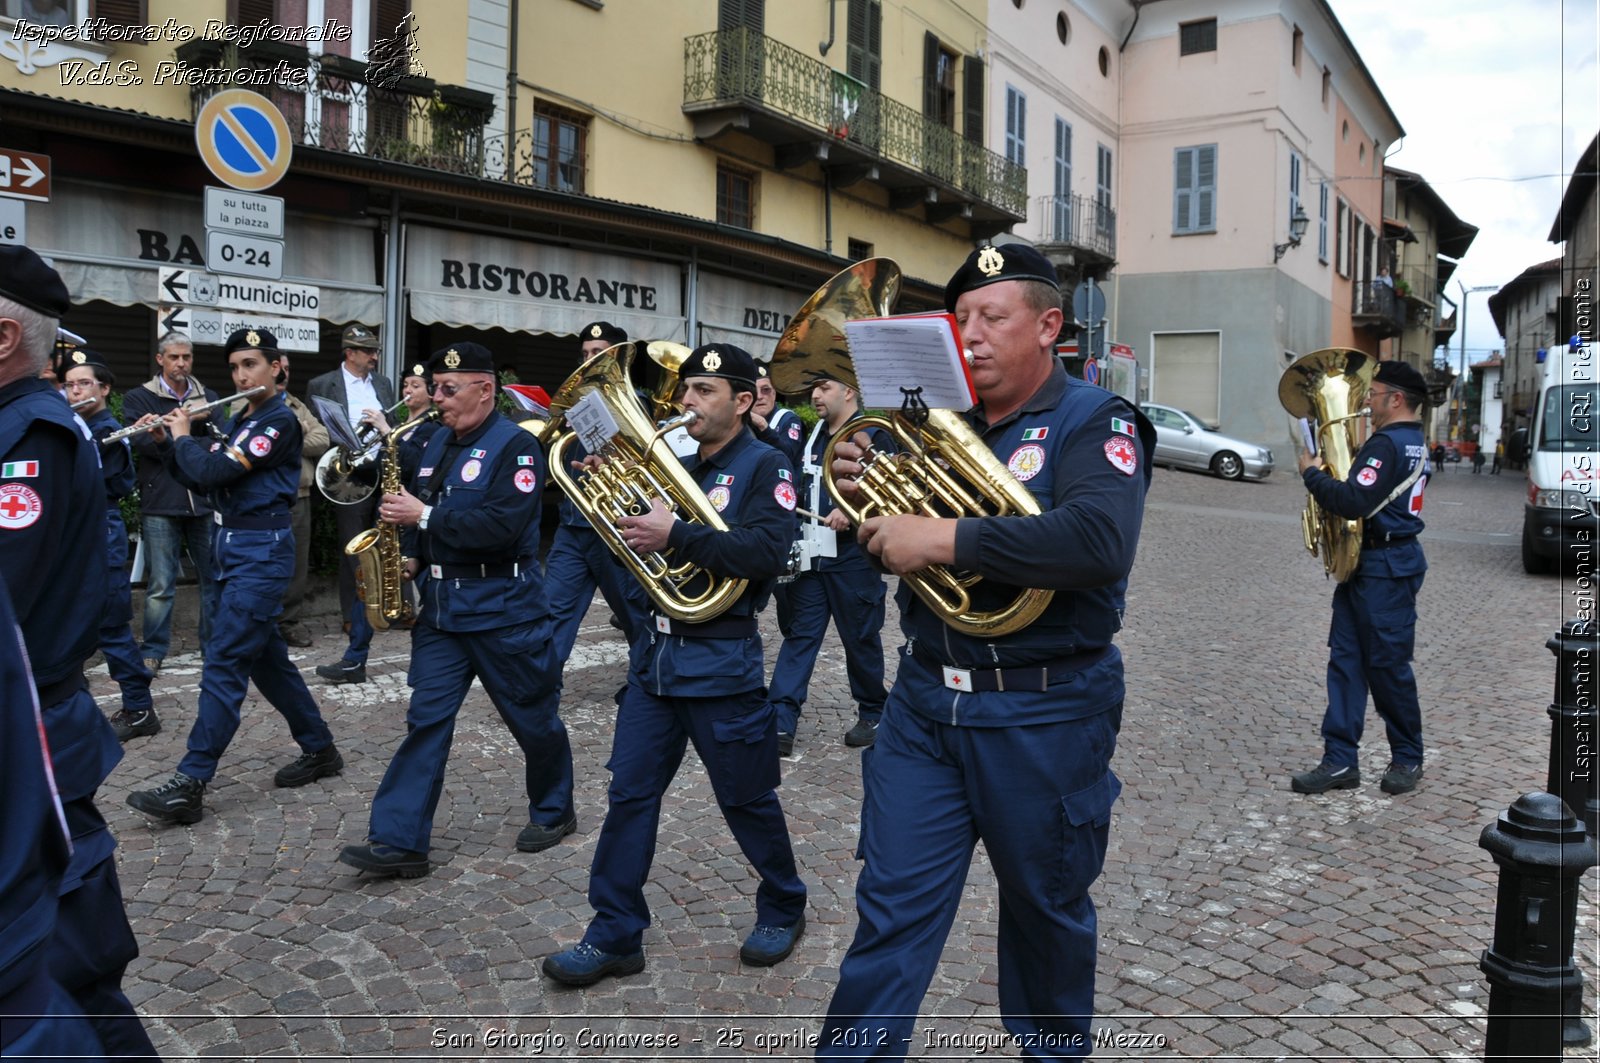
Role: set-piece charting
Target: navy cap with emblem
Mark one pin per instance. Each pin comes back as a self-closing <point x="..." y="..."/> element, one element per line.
<point x="1402" y="377"/>
<point x="84" y="356"/>
<point x="991" y="265"/>
<point x="724" y="360"/>
<point x="251" y="339"/>
<point x="417" y="369"/>
<point x="27" y="279"/>
<point x="603" y="330"/>
<point x="360" y="337"/>
<point x="461" y="358"/>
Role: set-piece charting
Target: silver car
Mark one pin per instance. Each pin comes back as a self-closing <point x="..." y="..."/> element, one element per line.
<point x="1184" y="441"/>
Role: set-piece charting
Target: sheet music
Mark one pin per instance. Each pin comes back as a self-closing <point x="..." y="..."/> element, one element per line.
<point x="891" y="354"/>
<point x="332" y="415"/>
<point x="592" y="420"/>
<point x="1308" y="440"/>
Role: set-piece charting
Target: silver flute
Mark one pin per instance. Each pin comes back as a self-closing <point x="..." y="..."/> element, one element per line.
<point x="137" y="429"/>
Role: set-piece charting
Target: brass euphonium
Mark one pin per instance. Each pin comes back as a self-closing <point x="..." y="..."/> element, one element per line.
<point x="943" y="468"/>
<point x="1329" y="388"/>
<point x="636" y="468"/>
<point x="380" y="573"/>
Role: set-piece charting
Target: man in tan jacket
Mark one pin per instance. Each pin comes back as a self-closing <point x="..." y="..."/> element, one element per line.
<point x="315" y="444"/>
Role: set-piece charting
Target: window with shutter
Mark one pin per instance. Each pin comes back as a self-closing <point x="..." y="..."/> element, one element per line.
<point x="120" y="12"/>
<point x="972" y="100"/>
<point x="250" y="12"/>
<point x="389" y="23"/>
<point x="1341" y="238"/>
<point x="1016" y="126"/>
<point x="1322" y="222"/>
<point x="1294" y="185"/>
<point x="1194" y="183"/>
<point x="864" y="51"/>
<point x="1198" y="36"/>
<point x="1102" y="189"/>
<point x="731" y="14"/>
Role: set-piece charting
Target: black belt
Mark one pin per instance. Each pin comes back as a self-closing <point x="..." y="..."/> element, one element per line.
<point x="498" y="570"/>
<point x="1371" y="542"/>
<point x="723" y="627"/>
<point x="275" y="523"/>
<point x="1035" y="678"/>
<point x="61" y="689"/>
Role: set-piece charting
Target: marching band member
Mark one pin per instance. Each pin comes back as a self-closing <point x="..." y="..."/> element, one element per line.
<point x="1008" y="738"/>
<point x="252" y="476"/>
<point x="775" y="425"/>
<point x="836" y="581"/>
<point x="578" y="561"/>
<point x="475" y="511"/>
<point x="52" y="518"/>
<point x="89" y="379"/>
<point x="701" y="683"/>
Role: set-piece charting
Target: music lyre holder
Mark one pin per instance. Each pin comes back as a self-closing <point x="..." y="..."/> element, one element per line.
<point x="912" y="408"/>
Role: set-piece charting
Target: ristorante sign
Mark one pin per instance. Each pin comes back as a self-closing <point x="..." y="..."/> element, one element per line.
<point x="466" y="279"/>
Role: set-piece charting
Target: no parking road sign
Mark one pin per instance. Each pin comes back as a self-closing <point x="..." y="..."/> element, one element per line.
<point x="243" y="140"/>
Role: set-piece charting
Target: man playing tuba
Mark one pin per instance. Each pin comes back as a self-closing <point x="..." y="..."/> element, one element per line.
<point x="1007" y="738"/>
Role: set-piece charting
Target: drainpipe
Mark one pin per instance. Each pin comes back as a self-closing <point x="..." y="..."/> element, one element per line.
<point x="827" y="210"/>
<point x="822" y="47"/>
<point x="511" y="95"/>
<point x="394" y="298"/>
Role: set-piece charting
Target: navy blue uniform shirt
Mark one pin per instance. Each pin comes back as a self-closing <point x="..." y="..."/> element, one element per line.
<point x="265" y="443"/>
<point x="786" y="432"/>
<point x="751" y="487"/>
<point x="484" y="490"/>
<point x="116" y="459"/>
<point x="1382" y="463"/>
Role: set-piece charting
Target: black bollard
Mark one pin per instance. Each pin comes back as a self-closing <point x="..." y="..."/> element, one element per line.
<point x="1542" y="851"/>
<point x="1574" y="716"/>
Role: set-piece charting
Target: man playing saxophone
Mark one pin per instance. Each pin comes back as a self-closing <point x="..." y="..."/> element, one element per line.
<point x="1005" y="738"/>
<point x="701" y="682"/>
<point x="472" y="523"/>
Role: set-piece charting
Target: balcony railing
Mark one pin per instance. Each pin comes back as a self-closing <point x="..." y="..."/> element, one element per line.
<point x="329" y="102"/>
<point x="1376" y="306"/>
<point x="1418" y="283"/>
<point x="740" y="67"/>
<point x="1078" y="221"/>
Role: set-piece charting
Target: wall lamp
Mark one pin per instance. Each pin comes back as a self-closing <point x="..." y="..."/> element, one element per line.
<point x="1297" y="230"/>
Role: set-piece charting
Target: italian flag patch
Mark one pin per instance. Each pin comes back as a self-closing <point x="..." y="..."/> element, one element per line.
<point x="525" y="459"/>
<point x="1034" y="434"/>
<point x="724" y="479"/>
<point x="1125" y="427"/>
<point x="19" y="470"/>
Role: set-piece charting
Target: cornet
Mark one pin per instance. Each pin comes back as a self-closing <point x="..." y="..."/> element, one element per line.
<point x="139" y="429"/>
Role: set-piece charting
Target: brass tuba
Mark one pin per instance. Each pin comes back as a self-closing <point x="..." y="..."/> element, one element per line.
<point x="637" y="467"/>
<point x="943" y="468"/>
<point x="1329" y="387"/>
<point x="380" y="571"/>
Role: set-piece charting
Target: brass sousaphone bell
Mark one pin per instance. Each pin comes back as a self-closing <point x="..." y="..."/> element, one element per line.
<point x="942" y="469"/>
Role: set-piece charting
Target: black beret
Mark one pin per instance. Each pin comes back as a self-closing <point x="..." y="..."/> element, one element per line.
<point x="359" y="337"/>
<point x="84" y="356"/>
<point x="603" y="330"/>
<point x="251" y="339"/>
<point x="26" y="278"/>
<point x="417" y="369"/>
<point x="1402" y="377"/>
<point x="990" y="265"/>
<point x="461" y="358"/>
<point x="721" y="360"/>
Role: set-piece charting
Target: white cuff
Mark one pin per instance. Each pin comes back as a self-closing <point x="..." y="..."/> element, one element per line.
<point x="427" y="511"/>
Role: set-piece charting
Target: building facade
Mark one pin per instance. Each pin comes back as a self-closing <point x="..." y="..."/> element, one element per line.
<point x="1526" y="312"/>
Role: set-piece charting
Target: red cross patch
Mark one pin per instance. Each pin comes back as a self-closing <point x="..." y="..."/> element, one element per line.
<point x="784" y="493"/>
<point x="20" y="506"/>
<point x="260" y="446"/>
<point x="1122" y="455"/>
<point x="525" y="481"/>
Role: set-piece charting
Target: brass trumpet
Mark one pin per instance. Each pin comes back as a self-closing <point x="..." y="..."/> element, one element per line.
<point x="139" y="429"/>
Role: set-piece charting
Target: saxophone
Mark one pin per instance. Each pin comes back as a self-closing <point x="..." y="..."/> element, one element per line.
<point x="380" y="571"/>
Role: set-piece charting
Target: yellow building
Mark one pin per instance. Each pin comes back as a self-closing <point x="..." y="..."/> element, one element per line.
<point x="690" y="170"/>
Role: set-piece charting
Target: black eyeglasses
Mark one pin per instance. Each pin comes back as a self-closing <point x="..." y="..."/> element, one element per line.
<point x="450" y="391"/>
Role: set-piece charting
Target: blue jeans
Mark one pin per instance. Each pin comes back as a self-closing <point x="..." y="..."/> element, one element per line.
<point x="164" y="538"/>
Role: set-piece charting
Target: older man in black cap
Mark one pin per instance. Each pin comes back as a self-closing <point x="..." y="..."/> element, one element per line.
<point x="701" y="683"/>
<point x="1375" y="610"/>
<point x="1003" y="738"/>
<point x="252" y="475"/>
<point x="52" y="523"/>
<point x="471" y="518"/>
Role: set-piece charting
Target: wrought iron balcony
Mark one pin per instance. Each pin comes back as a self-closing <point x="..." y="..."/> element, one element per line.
<point x="1376" y="306"/>
<point x="343" y="105"/>
<point x="742" y="79"/>
<point x="1079" y="224"/>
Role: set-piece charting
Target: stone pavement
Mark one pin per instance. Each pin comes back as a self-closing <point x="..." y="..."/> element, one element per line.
<point x="1238" y="921"/>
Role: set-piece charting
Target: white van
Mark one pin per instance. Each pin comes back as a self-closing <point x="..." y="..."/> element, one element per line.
<point x="1562" y="515"/>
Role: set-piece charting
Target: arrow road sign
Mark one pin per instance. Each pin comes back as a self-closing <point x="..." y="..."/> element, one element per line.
<point x="199" y="288"/>
<point x="215" y="326"/>
<point x="24" y="175"/>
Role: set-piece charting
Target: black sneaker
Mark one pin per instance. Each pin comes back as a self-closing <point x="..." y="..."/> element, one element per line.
<point x="767" y="945"/>
<point x="135" y="724"/>
<point x="536" y="839"/>
<point x="583" y="964"/>
<point x="344" y="672"/>
<point x="864" y="733"/>
<point x="785" y="743"/>
<point x="178" y="800"/>
<point x="1400" y="778"/>
<point x="309" y="767"/>
<point x="1325" y="777"/>
<point x="385" y="860"/>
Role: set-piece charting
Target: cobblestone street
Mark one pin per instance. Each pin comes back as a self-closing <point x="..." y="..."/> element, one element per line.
<point x="1237" y="920"/>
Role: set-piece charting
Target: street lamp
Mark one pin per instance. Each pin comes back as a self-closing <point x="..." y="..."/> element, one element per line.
<point x="1461" y="396"/>
<point x="1297" y="229"/>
